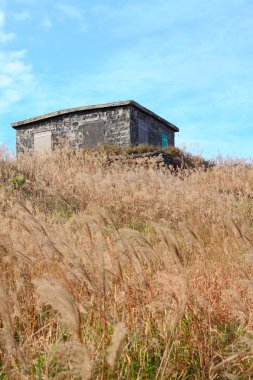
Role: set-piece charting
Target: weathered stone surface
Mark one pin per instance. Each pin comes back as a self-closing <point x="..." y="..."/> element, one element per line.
<point x="155" y="159"/>
<point x="148" y="130"/>
<point x="123" y="124"/>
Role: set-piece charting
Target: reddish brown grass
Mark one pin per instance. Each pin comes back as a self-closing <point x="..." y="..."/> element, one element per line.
<point x="129" y="273"/>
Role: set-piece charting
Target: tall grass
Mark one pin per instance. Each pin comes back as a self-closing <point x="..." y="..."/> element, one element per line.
<point x="122" y="272"/>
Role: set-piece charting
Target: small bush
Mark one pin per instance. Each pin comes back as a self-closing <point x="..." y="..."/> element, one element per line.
<point x="18" y="182"/>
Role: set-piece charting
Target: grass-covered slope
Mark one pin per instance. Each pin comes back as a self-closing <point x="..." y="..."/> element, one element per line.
<point x="117" y="272"/>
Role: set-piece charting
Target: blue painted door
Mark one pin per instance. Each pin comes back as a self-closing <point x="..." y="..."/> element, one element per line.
<point x="165" y="140"/>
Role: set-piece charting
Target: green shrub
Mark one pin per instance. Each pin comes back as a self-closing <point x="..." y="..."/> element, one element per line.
<point x="18" y="182"/>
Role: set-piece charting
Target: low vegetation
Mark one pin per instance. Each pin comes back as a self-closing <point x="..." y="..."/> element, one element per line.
<point x="116" y="272"/>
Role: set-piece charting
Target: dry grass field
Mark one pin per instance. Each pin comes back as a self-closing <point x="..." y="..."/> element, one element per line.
<point x="124" y="272"/>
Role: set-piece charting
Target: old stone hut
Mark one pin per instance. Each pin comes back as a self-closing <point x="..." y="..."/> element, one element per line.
<point x="122" y="123"/>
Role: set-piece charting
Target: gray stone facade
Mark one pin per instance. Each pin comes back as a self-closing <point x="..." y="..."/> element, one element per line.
<point x="123" y="123"/>
<point x="148" y="130"/>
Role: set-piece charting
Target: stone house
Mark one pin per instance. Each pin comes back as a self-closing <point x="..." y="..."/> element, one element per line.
<point x="123" y="123"/>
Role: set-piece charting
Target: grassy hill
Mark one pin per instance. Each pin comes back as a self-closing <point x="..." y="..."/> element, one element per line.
<point x="121" y="271"/>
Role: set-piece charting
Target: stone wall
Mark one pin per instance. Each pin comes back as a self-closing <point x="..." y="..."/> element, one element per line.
<point x="148" y="130"/>
<point x="80" y="129"/>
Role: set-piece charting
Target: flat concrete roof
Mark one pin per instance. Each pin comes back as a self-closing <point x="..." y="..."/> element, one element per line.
<point x="94" y="107"/>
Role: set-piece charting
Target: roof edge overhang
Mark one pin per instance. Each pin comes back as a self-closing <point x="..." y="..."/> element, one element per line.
<point x="36" y="119"/>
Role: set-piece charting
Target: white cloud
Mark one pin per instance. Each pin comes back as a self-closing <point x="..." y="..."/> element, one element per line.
<point x="74" y="13"/>
<point x="46" y="23"/>
<point x="2" y="19"/>
<point x="16" y="77"/>
<point x="4" y="37"/>
<point x="70" y="11"/>
<point x="22" y="16"/>
<point x="28" y="2"/>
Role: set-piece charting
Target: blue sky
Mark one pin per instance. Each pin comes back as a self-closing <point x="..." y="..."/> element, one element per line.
<point x="190" y="61"/>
